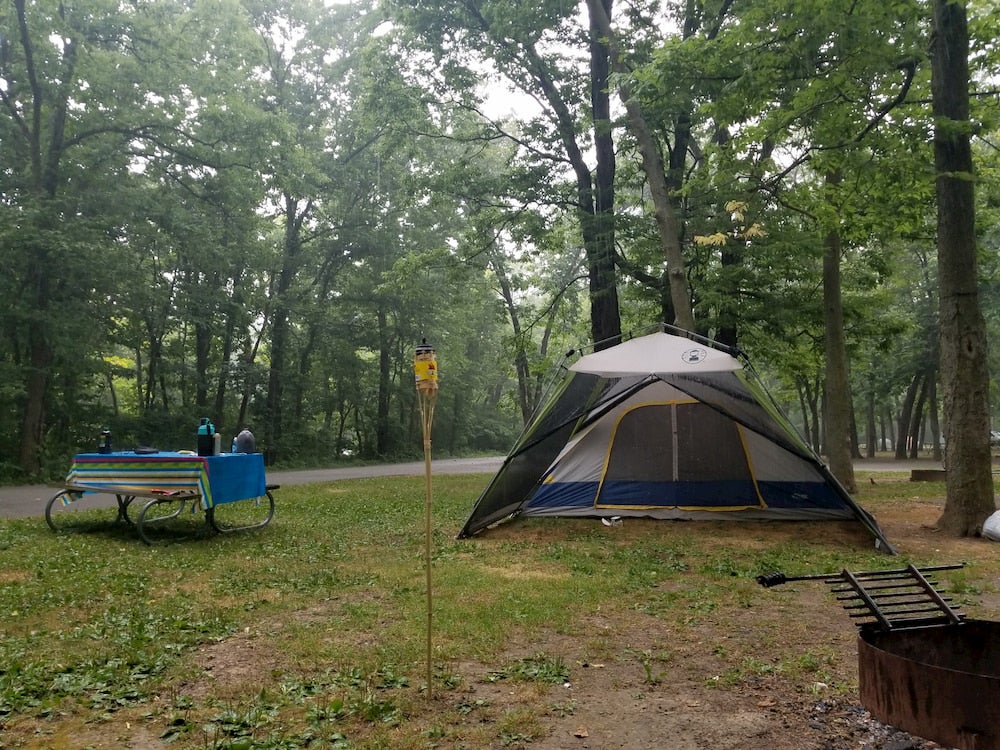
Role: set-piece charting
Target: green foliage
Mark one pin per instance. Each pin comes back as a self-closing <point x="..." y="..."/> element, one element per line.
<point x="267" y="188"/>
<point x="254" y="212"/>
<point x="538" y="668"/>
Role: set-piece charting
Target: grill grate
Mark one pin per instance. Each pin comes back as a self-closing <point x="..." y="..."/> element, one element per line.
<point x="887" y="599"/>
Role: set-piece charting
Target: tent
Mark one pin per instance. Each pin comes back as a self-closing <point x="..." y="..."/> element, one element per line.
<point x="664" y="425"/>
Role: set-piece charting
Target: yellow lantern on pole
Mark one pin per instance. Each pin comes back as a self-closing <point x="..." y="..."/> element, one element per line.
<point x="425" y="374"/>
<point x="425" y="368"/>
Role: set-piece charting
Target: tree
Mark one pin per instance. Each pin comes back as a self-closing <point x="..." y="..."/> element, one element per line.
<point x="254" y="211"/>
<point x="535" y="48"/>
<point x="66" y="128"/>
<point x="838" y="392"/>
<point x="809" y="90"/>
<point x="964" y="374"/>
<point x="306" y="49"/>
<point x="654" y="170"/>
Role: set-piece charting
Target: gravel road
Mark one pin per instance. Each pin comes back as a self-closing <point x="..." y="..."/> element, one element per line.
<point x="22" y="502"/>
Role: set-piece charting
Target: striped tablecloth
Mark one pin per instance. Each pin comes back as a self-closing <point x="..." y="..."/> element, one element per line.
<point x="216" y="479"/>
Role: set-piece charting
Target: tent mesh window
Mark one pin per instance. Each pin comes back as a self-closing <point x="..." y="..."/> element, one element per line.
<point x="668" y="455"/>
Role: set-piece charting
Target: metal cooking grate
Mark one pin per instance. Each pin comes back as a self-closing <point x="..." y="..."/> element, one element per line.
<point x="888" y="599"/>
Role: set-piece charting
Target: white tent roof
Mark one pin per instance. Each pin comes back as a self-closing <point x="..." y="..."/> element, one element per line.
<point x="656" y="353"/>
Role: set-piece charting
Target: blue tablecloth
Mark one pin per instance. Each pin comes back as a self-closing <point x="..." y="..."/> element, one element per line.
<point x="216" y="479"/>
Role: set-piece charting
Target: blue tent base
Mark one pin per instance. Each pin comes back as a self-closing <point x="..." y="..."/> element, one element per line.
<point x="682" y="514"/>
<point x="692" y="496"/>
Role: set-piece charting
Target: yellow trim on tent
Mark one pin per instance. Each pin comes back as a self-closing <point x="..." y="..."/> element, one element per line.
<point x="761" y="503"/>
<point x="715" y="508"/>
<point x="611" y="442"/>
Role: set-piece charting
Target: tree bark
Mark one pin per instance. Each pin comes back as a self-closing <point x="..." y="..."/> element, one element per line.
<point x="964" y="373"/>
<point x="521" y="364"/>
<point x="653" y="168"/>
<point x="871" y="435"/>
<point x="935" y="425"/>
<point x="917" y="418"/>
<point x="274" y="405"/>
<point x="838" y="388"/>
<point x="384" y="386"/>
<point x="604" y="311"/>
<point x="594" y="193"/>
<point x="905" y="412"/>
<point x="44" y="184"/>
<point x="810" y="411"/>
<point x="33" y="421"/>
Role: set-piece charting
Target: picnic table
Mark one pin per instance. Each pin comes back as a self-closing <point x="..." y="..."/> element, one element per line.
<point x="162" y="484"/>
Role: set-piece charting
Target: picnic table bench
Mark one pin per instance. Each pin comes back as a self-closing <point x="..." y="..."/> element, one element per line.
<point x="162" y="484"/>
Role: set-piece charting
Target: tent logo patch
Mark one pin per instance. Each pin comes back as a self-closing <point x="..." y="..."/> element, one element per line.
<point x="693" y="356"/>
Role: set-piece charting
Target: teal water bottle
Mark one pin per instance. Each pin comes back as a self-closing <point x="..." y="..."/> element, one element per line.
<point x="206" y="437"/>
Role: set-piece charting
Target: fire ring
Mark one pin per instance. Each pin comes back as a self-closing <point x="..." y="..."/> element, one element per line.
<point x="940" y="683"/>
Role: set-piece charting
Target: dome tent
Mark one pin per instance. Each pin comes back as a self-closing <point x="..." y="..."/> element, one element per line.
<point x="669" y="426"/>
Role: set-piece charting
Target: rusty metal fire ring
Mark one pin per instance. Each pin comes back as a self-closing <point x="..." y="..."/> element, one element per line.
<point x="923" y="666"/>
<point x="940" y="683"/>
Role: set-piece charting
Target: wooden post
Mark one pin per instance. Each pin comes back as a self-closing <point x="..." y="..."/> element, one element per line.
<point x="425" y="374"/>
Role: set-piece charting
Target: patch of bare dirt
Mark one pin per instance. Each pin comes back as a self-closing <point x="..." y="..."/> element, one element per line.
<point x="228" y="666"/>
<point x="665" y="685"/>
<point x="682" y="704"/>
<point x="636" y="681"/>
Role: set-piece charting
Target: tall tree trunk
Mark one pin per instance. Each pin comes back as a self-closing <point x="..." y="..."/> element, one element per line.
<point x="521" y="365"/>
<point x="804" y="406"/>
<point x="298" y="391"/>
<point x="605" y="321"/>
<point x="810" y="411"/>
<point x="855" y="444"/>
<point x="275" y="378"/>
<point x="225" y="371"/>
<point x="202" y="351"/>
<point x="964" y="373"/>
<point x="41" y="357"/>
<point x="247" y="358"/>
<point x="44" y="183"/>
<point x="228" y="314"/>
<point x="871" y="438"/>
<point x="730" y="261"/>
<point x="292" y="245"/>
<point x="653" y="168"/>
<point x="935" y="425"/>
<point x="384" y="382"/>
<point x="838" y="388"/>
<point x="905" y="412"/>
<point x="917" y="419"/>
<point x="594" y="195"/>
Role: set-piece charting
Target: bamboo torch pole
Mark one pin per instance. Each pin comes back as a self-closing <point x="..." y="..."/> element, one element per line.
<point x="426" y="376"/>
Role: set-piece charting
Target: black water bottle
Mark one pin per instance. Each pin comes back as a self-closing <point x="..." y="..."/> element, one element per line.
<point x="104" y="443"/>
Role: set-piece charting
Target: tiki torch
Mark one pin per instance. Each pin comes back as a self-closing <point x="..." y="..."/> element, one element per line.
<point x="426" y="375"/>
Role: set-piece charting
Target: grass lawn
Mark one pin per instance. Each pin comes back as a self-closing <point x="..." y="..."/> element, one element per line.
<point x="311" y="632"/>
